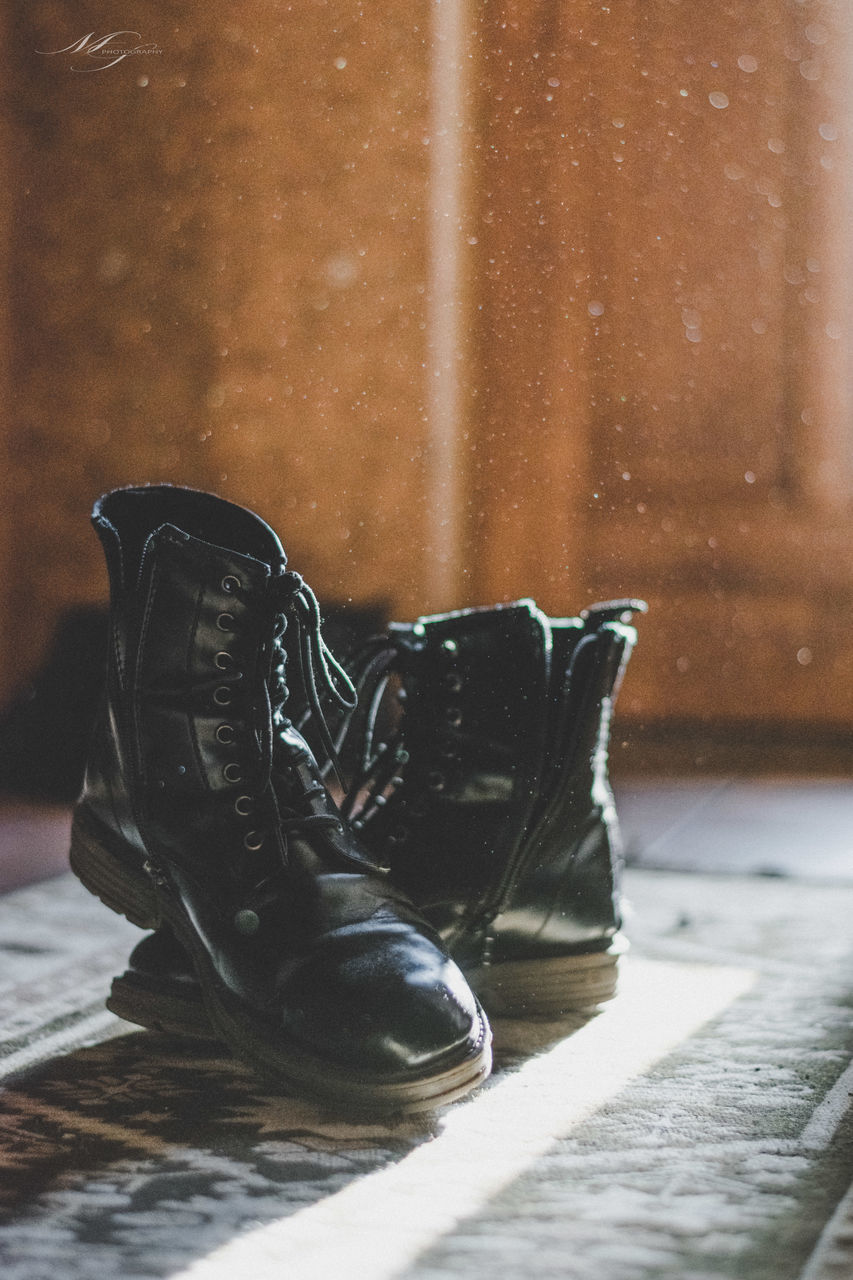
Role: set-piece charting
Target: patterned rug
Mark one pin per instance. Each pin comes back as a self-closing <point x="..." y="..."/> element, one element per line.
<point x="698" y="1129"/>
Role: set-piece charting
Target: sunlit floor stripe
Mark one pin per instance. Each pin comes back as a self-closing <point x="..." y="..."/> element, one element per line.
<point x="376" y="1227"/>
<point x="826" y="1118"/>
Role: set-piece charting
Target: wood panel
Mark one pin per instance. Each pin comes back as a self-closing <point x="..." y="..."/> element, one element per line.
<point x="679" y="235"/>
<point x="220" y="278"/>
<point x="474" y="302"/>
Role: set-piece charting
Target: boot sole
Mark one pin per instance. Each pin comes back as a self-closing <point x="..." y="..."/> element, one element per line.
<point x="534" y="989"/>
<point x="132" y="894"/>
<point x="550" y="987"/>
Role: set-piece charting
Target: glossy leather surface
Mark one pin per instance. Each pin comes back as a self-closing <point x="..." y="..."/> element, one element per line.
<point x="194" y="777"/>
<point x="512" y="711"/>
<point x="517" y="854"/>
<point x="565" y="893"/>
<point x="475" y="684"/>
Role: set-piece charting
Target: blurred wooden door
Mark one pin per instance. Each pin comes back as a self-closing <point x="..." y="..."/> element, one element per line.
<point x="473" y="302"/>
<point x="662" y="385"/>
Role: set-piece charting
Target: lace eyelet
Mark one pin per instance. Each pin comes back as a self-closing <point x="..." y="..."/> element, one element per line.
<point x="230" y="583"/>
<point x="247" y="922"/>
<point x="222" y="696"/>
<point x="453" y="716"/>
<point x="225" y="622"/>
<point x="225" y="734"/>
<point x="231" y="773"/>
<point x="253" y="841"/>
<point x="224" y="661"/>
<point x="436" y="781"/>
<point x="244" y="805"/>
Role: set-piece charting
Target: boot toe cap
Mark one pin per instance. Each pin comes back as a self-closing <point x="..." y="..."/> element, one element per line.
<point x="399" y="1008"/>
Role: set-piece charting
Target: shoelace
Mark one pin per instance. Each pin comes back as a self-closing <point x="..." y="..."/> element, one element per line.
<point x="376" y="765"/>
<point x="291" y="597"/>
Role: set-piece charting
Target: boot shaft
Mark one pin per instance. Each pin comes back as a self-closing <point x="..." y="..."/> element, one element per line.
<point x="471" y="741"/>
<point x="491" y="800"/>
<point x="184" y="745"/>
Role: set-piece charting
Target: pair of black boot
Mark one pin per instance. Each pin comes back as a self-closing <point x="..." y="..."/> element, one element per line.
<point x="285" y="925"/>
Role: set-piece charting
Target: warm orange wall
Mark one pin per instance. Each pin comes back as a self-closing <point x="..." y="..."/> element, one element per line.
<point x="220" y="277"/>
<point x="664" y="390"/>
<point x="472" y="302"/>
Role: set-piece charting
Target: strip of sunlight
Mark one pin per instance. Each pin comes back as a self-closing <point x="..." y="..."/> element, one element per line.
<point x="826" y="1117"/>
<point x="374" y="1228"/>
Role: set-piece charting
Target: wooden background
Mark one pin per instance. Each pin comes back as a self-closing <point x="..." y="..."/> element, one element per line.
<point x="471" y="302"/>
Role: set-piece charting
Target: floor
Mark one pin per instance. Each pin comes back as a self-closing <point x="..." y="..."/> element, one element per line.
<point x="699" y="1128"/>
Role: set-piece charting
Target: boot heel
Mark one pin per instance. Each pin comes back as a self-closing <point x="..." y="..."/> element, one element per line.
<point x="159" y="1010"/>
<point x="127" y="892"/>
<point x="548" y="988"/>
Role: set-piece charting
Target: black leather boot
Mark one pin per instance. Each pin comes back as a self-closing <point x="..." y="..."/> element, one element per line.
<point x="490" y="799"/>
<point x="204" y="811"/>
<point x="500" y="760"/>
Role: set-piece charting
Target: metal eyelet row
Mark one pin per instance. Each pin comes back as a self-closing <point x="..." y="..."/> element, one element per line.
<point x="224" y="694"/>
<point x="246" y="921"/>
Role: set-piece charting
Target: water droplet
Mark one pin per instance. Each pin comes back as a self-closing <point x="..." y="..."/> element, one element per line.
<point x="143" y="82"/>
<point x="341" y="270"/>
<point x="776" y="145"/>
<point x="340" y="63"/>
<point x="811" y="69"/>
<point x="804" y="656"/>
<point x="749" y="477"/>
<point x="718" y="100"/>
<point x="595" y="308"/>
<point x="682" y="664"/>
<point x="759" y="326"/>
<point x="828" y="132"/>
<point x="815" y="33"/>
<point x="833" y="330"/>
<point x="747" y="62"/>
